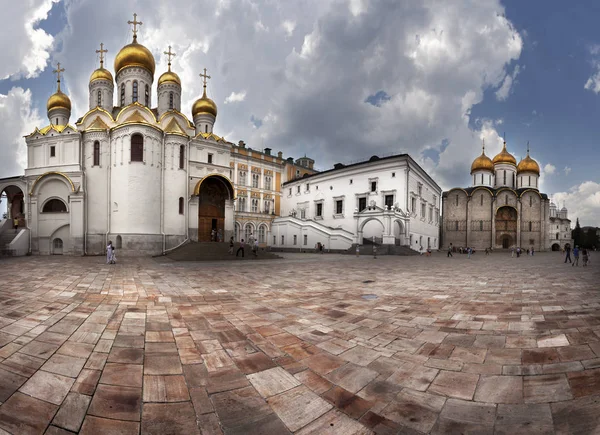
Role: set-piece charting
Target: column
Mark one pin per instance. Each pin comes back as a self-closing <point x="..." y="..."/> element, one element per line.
<point x="493" y="241"/>
<point x="33" y="224"/>
<point x="193" y="218"/>
<point x="229" y="220"/>
<point x="518" y="222"/>
<point x="76" y="223"/>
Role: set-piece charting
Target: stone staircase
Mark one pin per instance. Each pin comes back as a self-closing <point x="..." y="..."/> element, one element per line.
<point x="6" y="237"/>
<point x="367" y="249"/>
<point x="214" y="251"/>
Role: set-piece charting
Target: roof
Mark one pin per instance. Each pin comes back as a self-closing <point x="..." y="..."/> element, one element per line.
<point x="339" y="167"/>
<point x="495" y="190"/>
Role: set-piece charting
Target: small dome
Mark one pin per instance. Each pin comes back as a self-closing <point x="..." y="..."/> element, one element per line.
<point x="204" y="105"/>
<point x="552" y="205"/>
<point x="169" y="76"/>
<point x="505" y="157"/>
<point x="101" y="74"/>
<point x="135" y="54"/>
<point x="58" y="100"/>
<point x="482" y="163"/>
<point x="528" y="165"/>
<point x="563" y="209"/>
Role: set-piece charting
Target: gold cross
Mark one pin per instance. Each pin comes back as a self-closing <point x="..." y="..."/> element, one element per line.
<point x="102" y="51"/>
<point x="204" y="77"/>
<point x="170" y="54"/>
<point x="135" y="23"/>
<point x="57" y="71"/>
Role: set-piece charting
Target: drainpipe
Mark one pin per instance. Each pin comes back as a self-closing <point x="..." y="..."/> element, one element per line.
<point x="85" y="199"/>
<point x="108" y="188"/>
<point x="162" y="194"/>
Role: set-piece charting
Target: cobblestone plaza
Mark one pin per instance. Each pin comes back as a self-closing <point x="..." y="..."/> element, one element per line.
<point x="323" y="344"/>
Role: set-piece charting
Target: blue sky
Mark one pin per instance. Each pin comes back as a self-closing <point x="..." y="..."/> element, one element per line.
<point x="306" y="78"/>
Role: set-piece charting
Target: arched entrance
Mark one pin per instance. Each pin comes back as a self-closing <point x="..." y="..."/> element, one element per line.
<point x="506" y="227"/>
<point x="14" y="199"/>
<point x="213" y="191"/>
<point x="57" y="246"/>
<point x="556" y="247"/>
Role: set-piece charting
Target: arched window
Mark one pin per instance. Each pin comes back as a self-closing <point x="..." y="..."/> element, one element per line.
<point x="556" y="236"/>
<point x="236" y="232"/>
<point x="123" y="94"/>
<point x="241" y="204"/>
<point x="137" y="148"/>
<point x="247" y="232"/>
<point x="170" y="100"/>
<point x="180" y="205"/>
<point x="54" y="206"/>
<point x="481" y="178"/>
<point x="529" y="180"/>
<point x="529" y="225"/>
<point x="135" y="91"/>
<point x="181" y="156"/>
<point x="99" y="98"/>
<point x="262" y="234"/>
<point x="119" y="243"/>
<point x="254" y="205"/>
<point x="96" y="153"/>
<point x="206" y="128"/>
<point x="480" y="225"/>
<point x="504" y="177"/>
<point x="147" y="95"/>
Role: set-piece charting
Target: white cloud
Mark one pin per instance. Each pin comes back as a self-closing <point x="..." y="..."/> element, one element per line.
<point x="582" y="201"/>
<point x="17" y="119"/>
<point x="288" y="27"/>
<point x="549" y="168"/>
<point x="593" y="82"/>
<point x="236" y="97"/>
<point x="507" y="85"/>
<point x="24" y="48"/>
<point x="567" y="170"/>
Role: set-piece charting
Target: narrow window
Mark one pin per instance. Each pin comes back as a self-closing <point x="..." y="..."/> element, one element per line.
<point x="305" y="241"/>
<point x="481" y="200"/>
<point x="52" y="151"/>
<point x="373" y="186"/>
<point x="123" y="94"/>
<point x="351" y="181"/>
<point x="135" y="91"/>
<point x="283" y="240"/>
<point x="274" y="240"/>
<point x="529" y="180"/>
<point x="181" y="156"/>
<point x="506" y="200"/>
<point x="456" y="201"/>
<point x="474" y="180"/>
<point x="137" y="148"/>
<point x="393" y="175"/>
<point x="147" y="96"/>
<point x="389" y="201"/>
<point x="180" y="205"/>
<point x="530" y="226"/>
<point x="481" y="178"/>
<point x="362" y="204"/>
<point x="298" y="189"/>
<point x="170" y="100"/>
<point x="513" y="179"/>
<point x="96" y="153"/>
<point x="295" y="239"/>
<point x="99" y="98"/>
<point x="56" y="121"/>
<point x="489" y="179"/>
<point x="456" y="225"/>
<point x="504" y="177"/>
<point x="339" y="206"/>
<point x="210" y="158"/>
<point x="206" y="128"/>
<point x="290" y="191"/>
<point x="480" y="225"/>
<point x="254" y="206"/>
<point x="319" y="209"/>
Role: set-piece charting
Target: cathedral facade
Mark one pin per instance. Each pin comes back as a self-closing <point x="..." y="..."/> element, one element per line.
<point x="143" y="176"/>
<point x="503" y="208"/>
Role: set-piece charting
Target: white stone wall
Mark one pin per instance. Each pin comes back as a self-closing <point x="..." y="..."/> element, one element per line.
<point x="127" y="76"/>
<point x="163" y="91"/>
<point x="511" y="172"/>
<point x="175" y="182"/>
<point x="106" y="89"/>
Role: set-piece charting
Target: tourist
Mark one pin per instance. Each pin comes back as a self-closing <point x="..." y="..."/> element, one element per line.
<point x="108" y="252"/>
<point x="241" y="248"/>
<point x="255" y="248"/>
<point x="16" y="223"/>
<point x="576" y="256"/>
<point x="568" y="251"/>
<point x="420" y="249"/>
<point x="321" y="247"/>
<point x="212" y="235"/>
<point x="219" y="236"/>
<point x="584" y="257"/>
<point x="374" y="251"/>
<point x="113" y="256"/>
<point x="532" y="251"/>
<point x="512" y="252"/>
<point x="487" y="251"/>
<point x="518" y="251"/>
<point x="449" y="251"/>
<point x="230" y="252"/>
<point x="428" y="252"/>
<point x="357" y="249"/>
<point x="469" y="250"/>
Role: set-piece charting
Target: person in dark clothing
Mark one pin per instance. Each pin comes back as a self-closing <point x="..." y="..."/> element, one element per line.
<point x="230" y="252"/>
<point x="241" y="248"/>
<point x="450" y="250"/>
<point x="568" y="256"/>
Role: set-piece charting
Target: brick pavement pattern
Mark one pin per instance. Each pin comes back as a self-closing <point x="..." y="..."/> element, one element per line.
<point x="309" y="344"/>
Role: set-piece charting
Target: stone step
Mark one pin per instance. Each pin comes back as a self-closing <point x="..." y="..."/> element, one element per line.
<point x="214" y="251"/>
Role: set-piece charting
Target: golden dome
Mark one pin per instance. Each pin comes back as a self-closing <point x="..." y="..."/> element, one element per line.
<point x="101" y="74"/>
<point x="482" y="163"/>
<point x="169" y="76"/>
<point x="58" y="100"/>
<point x="204" y="105"/>
<point x="505" y="157"/>
<point x="135" y="54"/>
<point x="528" y="164"/>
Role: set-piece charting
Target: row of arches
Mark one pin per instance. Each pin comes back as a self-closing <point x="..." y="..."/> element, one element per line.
<point x="248" y="230"/>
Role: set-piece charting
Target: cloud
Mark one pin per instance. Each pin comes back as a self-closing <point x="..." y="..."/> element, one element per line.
<point x="288" y="27"/>
<point x="593" y="82"/>
<point x="17" y="119"/>
<point x="378" y="99"/>
<point x="236" y="97"/>
<point x="549" y="168"/>
<point x="582" y="201"/>
<point x="507" y="85"/>
<point x="25" y="47"/>
<point x="567" y="170"/>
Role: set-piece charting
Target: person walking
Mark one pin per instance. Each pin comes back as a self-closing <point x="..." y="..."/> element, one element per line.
<point x="108" y="252"/>
<point x="230" y="252"/>
<point x="321" y="246"/>
<point x="374" y="251"/>
<point x="512" y="252"/>
<point x="113" y="256"/>
<point x="576" y="256"/>
<point x="240" y="249"/>
<point x="584" y="256"/>
<point x="568" y="256"/>
<point x="449" y="251"/>
<point x="16" y="223"/>
<point x="255" y="248"/>
<point x="469" y="250"/>
<point x="357" y="249"/>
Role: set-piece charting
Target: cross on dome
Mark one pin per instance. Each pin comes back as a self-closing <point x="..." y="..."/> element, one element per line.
<point x="102" y="51"/>
<point x="204" y="77"/>
<point x="170" y="55"/>
<point x="57" y="71"/>
<point x="135" y="23"/>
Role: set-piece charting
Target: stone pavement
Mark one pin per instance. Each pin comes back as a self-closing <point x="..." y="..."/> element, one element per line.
<point x="322" y="344"/>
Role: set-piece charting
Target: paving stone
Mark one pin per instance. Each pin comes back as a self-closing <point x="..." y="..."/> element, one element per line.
<point x="226" y="379"/>
<point x="22" y="414"/>
<point x="96" y="425"/>
<point x="580" y="416"/>
<point x="360" y="355"/>
<point x="298" y="407"/>
<point x="333" y="423"/>
<point x="162" y="365"/>
<point x="546" y="388"/>
<point x="313" y="381"/>
<point x="201" y="401"/>
<point x="500" y="389"/>
<point x="253" y="363"/>
<point x="347" y="402"/>
<point x="129" y="375"/>
<point x="165" y="389"/>
<point x="524" y="419"/>
<point x="415" y="410"/>
<point x="86" y="382"/>
<point x="116" y="402"/>
<point x="323" y="363"/>
<point x="452" y="384"/>
<point x="352" y="377"/>
<point x="540" y="356"/>
<point x="413" y="376"/>
<point x="9" y="383"/>
<point x="39" y="349"/>
<point x="273" y="381"/>
<point x="77" y="350"/>
<point x="46" y="386"/>
<point x="126" y="355"/>
<point x="21" y="364"/>
<point x="64" y="365"/>
<point x="72" y="411"/>
<point x="238" y="407"/>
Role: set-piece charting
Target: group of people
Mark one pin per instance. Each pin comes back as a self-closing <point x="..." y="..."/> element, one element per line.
<point x="585" y="256"/>
<point x="253" y="242"/>
<point x="216" y="236"/>
<point x="468" y="250"/>
<point x="519" y="251"/>
<point x="111" y="257"/>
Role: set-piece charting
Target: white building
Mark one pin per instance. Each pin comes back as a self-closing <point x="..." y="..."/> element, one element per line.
<point x="391" y="200"/>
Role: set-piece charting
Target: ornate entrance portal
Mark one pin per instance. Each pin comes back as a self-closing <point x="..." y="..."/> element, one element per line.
<point x="214" y="191"/>
<point x="506" y="227"/>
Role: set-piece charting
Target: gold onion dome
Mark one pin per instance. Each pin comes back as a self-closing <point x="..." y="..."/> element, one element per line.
<point x="528" y="164"/>
<point x="59" y="100"/>
<point x="204" y="105"/>
<point x="482" y="163"/>
<point x="101" y="74"/>
<point x="505" y="157"/>
<point x="135" y="54"/>
<point x="169" y="76"/>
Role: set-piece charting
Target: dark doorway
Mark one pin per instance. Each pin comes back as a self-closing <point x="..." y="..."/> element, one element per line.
<point x="211" y="208"/>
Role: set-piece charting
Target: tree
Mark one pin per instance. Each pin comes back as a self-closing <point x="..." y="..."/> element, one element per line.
<point x="577" y="234"/>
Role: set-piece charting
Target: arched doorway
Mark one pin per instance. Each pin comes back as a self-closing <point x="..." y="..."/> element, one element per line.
<point x="556" y="247"/>
<point x="14" y="199"/>
<point x="506" y="227"/>
<point x="372" y="230"/>
<point x="213" y="191"/>
<point x="57" y="246"/>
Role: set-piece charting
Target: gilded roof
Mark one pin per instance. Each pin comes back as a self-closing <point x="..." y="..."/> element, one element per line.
<point x="482" y="162"/>
<point x="505" y="157"/>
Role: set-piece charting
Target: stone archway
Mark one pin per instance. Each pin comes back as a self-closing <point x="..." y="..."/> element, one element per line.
<point x="213" y="193"/>
<point x="15" y="203"/>
<point x="506" y="227"/>
<point x="556" y="247"/>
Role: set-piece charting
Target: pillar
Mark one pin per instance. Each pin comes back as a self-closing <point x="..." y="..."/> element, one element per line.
<point x="193" y="218"/>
